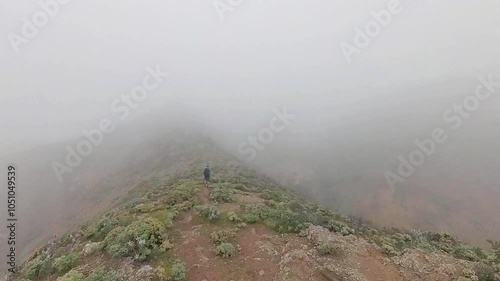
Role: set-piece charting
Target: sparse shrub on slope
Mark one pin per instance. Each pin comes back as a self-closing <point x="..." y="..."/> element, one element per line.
<point x="162" y="273"/>
<point x="259" y="210"/>
<point x="416" y="235"/>
<point x="232" y="216"/>
<point x="102" y="275"/>
<point x="174" y="272"/>
<point x="340" y="227"/>
<point x="277" y="194"/>
<point x="183" y="191"/>
<point x="225" y="250"/>
<point x="250" y="218"/>
<point x="145" y="208"/>
<point x="208" y="211"/>
<point x="170" y="215"/>
<point x="73" y="275"/>
<point x="277" y="216"/>
<point x="222" y="194"/>
<point x="485" y="272"/>
<point x="283" y="220"/>
<point x="98" y="231"/>
<point x="242" y="187"/>
<point x="187" y="205"/>
<point x="442" y="241"/>
<point x="329" y="248"/>
<point x="64" y="240"/>
<point x="140" y="239"/>
<point x="132" y="202"/>
<point x="396" y="242"/>
<point x="465" y="252"/>
<point x="38" y="267"/>
<point x="389" y="249"/>
<point x="495" y="245"/>
<point x="220" y="236"/>
<point x="67" y="262"/>
<point x="178" y="271"/>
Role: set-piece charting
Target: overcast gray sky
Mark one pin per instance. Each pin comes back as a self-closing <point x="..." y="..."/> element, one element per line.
<point x="264" y="53"/>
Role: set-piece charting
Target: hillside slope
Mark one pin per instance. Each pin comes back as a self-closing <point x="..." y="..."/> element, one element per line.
<point x="168" y="226"/>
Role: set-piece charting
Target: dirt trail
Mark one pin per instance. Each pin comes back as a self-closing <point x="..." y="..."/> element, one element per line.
<point x="204" y="195"/>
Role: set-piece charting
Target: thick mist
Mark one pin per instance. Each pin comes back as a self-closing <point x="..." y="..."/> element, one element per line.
<point x="399" y="127"/>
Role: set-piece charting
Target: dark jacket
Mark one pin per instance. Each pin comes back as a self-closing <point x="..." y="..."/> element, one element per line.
<point x="207" y="172"/>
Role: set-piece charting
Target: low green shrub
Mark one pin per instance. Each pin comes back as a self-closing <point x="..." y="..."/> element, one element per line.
<point x="485" y="272"/>
<point x="186" y="205"/>
<point x="260" y="210"/>
<point x="145" y="208"/>
<point x="208" y="211"/>
<point x="178" y="271"/>
<point x="170" y="215"/>
<point x="280" y="194"/>
<point x="232" y="216"/>
<point x="283" y="220"/>
<point x="64" y="240"/>
<point x="101" y="274"/>
<point x="161" y="273"/>
<point x="220" y="236"/>
<point x="495" y="245"/>
<point x="184" y="191"/>
<point x="250" y="218"/>
<point x="389" y="250"/>
<point x="340" y="227"/>
<point x="140" y="239"/>
<point x="38" y="267"/>
<point x="225" y="250"/>
<point x="241" y="187"/>
<point x="465" y="252"/>
<point x="327" y="248"/>
<point x="222" y="194"/>
<point x="67" y="262"/>
<point x="99" y="230"/>
<point x="73" y="275"/>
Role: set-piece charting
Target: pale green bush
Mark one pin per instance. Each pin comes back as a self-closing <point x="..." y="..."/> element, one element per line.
<point x="225" y="250"/>
<point x="67" y="262"/>
<point x="208" y="211"/>
<point x="73" y="275"/>
<point x="140" y="239"/>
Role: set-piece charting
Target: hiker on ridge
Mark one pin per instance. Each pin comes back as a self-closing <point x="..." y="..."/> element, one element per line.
<point x="206" y="174"/>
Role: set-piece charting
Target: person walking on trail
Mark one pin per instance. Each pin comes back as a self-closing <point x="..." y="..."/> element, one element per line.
<point x="206" y="174"/>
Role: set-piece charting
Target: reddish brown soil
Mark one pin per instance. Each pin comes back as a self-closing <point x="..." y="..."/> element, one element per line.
<point x="197" y="251"/>
<point x="373" y="267"/>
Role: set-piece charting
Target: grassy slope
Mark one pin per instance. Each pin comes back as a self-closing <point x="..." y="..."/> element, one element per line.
<point x="165" y="202"/>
